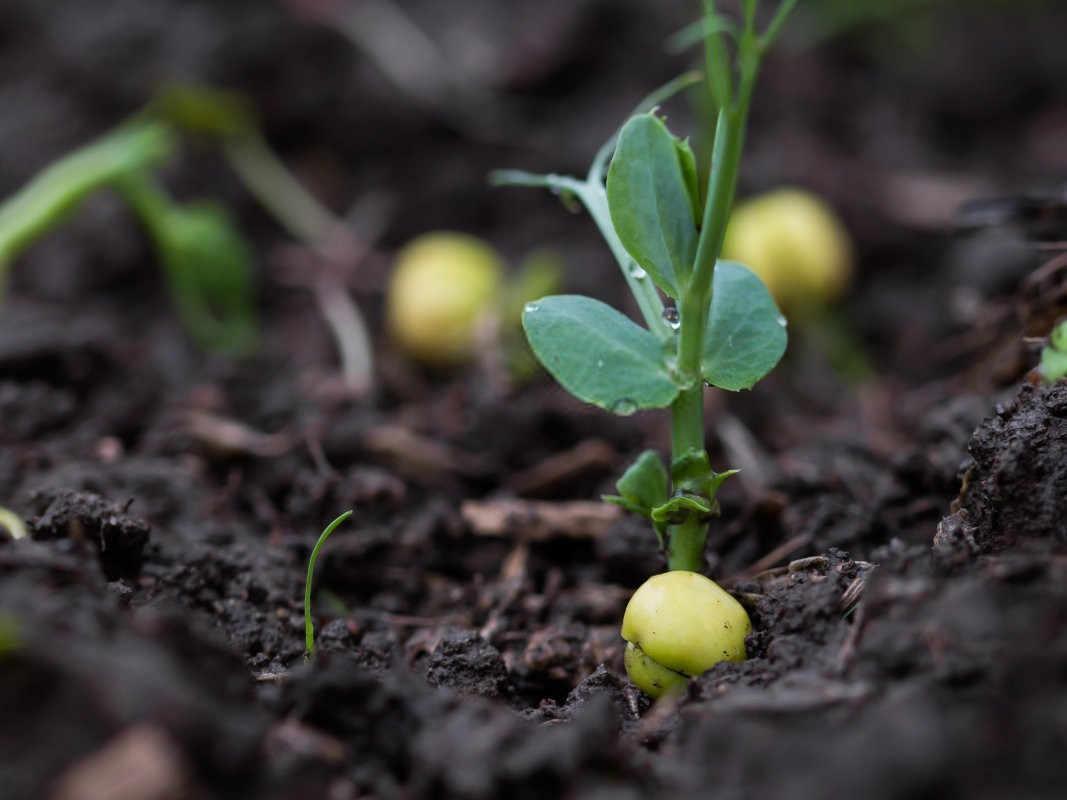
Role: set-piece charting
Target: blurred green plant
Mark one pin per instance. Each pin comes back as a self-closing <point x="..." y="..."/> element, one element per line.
<point x="225" y="118"/>
<point x="56" y="192"/>
<point x="12" y="523"/>
<point x="1054" y="355"/>
<point x="207" y="261"/>
<point x="208" y="264"/>
<point x="10" y="638"/>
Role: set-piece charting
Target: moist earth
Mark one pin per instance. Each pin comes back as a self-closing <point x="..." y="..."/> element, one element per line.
<point x="897" y="537"/>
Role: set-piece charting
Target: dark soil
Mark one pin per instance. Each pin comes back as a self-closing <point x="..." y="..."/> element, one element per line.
<point x="899" y="541"/>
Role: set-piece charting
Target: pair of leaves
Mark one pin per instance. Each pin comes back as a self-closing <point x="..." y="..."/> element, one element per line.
<point x="602" y="357"/>
<point x="644" y="489"/>
<point x="654" y="201"/>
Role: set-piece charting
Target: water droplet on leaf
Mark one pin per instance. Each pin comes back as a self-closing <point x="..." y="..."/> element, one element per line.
<point x="624" y="407"/>
<point x="529" y="308"/>
<point x="637" y="272"/>
<point x="782" y="320"/>
<point x="671" y="317"/>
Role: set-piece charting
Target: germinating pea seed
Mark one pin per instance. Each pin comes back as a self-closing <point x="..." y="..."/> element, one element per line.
<point x="680" y="623"/>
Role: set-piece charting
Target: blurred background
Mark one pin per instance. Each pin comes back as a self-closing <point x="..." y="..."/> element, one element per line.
<point x="392" y="112"/>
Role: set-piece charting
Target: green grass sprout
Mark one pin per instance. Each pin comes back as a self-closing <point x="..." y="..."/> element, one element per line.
<point x="309" y="625"/>
<point x="208" y="263"/>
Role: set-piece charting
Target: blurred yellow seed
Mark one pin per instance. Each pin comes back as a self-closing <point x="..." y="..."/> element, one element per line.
<point x="443" y="286"/>
<point x="678" y="625"/>
<point x="796" y="244"/>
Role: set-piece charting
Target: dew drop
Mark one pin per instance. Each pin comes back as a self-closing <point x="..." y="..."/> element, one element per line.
<point x="600" y="362"/>
<point x="782" y="320"/>
<point x="529" y="308"/>
<point x="671" y="317"/>
<point x="624" y="407"/>
<point x="637" y="272"/>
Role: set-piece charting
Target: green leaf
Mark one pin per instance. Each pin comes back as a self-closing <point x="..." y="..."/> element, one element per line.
<point x="1054" y="355"/>
<point x="690" y="471"/>
<point x="1053" y="364"/>
<point x="746" y="333"/>
<point x="688" y="162"/>
<point x="55" y="192"/>
<point x="648" y="102"/>
<point x="599" y="355"/>
<point x="209" y="267"/>
<point x="650" y="204"/>
<point x="644" y="484"/>
<point x="676" y="510"/>
<point x="1058" y="338"/>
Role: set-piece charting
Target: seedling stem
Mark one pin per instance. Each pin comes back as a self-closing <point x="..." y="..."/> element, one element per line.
<point x="687" y="541"/>
<point x="309" y="625"/>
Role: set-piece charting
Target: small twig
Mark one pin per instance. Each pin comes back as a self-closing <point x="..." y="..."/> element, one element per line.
<point x="420" y="457"/>
<point x="329" y="236"/>
<point x="350" y="332"/>
<point x="780" y="553"/>
<point x="757" y="468"/>
<point x="274" y="187"/>
<point x="533" y="520"/>
<point x="420" y="68"/>
<point x="848" y="647"/>
<point x="232" y="436"/>
<point x="514" y="566"/>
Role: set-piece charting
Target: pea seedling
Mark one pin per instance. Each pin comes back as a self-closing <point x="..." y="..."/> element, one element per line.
<point x="725" y="331"/>
<point x="207" y="263"/>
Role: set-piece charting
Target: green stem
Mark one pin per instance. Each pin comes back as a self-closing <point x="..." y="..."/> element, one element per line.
<point x="309" y="625"/>
<point x="685" y="543"/>
<point x="685" y="550"/>
<point x="57" y="191"/>
<point x="274" y="186"/>
<point x="687" y="540"/>
<point x="149" y="201"/>
<point x="722" y="185"/>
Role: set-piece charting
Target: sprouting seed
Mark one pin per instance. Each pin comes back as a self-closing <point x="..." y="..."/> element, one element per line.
<point x="309" y="625"/>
